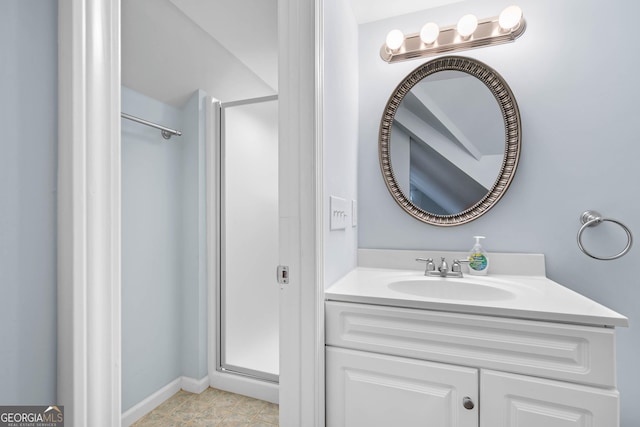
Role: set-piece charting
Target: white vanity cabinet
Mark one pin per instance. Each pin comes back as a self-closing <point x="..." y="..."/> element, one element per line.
<point x="520" y="401"/>
<point x="368" y="389"/>
<point x="390" y="366"/>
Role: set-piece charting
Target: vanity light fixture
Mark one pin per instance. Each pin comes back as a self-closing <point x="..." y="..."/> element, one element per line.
<point x="510" y="18"/>
<point x="429" y="33"/>
<point x="469" y="33"/>
<point x="467" y="25"/>
<point x="395" y="38"/>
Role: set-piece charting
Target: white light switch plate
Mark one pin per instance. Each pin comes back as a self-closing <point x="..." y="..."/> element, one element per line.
<point x="338" y="213"/>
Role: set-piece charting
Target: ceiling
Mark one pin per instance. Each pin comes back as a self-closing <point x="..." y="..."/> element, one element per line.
<point x="374" y="10"/>
<point x="172" y="47"/>
<point x="247" y="28"/>
<point x="167" y="55"/>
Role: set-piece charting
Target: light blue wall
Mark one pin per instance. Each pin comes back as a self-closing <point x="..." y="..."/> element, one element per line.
<point x="577" y="89"/>
<point x="340" y="128"/>
<point x="163" y="247"/>
<point x="158" y="302"/>
<point x="151" y="249"/>
<point x="194" y="234"/>
<point x="28" y="117"/>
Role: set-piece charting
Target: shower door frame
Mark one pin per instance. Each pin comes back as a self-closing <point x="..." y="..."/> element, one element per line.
<point x="222" y="365"/>
<point x="224" y="380"/>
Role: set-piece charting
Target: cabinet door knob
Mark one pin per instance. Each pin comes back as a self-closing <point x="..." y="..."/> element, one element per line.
<point x="467" y="403"/>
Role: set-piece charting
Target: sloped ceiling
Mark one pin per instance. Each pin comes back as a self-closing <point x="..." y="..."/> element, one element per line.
<point x="247" y="28"/>
<point x="228" y="48"/>
<point x="166" y="56"/>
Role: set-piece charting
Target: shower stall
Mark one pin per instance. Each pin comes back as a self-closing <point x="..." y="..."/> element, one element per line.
<point x="246" y="291"/>
<point x="200" y="302"/>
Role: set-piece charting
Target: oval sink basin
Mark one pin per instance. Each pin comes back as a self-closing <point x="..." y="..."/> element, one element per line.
<point x="452" y="289"/>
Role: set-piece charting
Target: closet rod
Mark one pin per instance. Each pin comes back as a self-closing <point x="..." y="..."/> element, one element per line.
<point x="166" y="132"/>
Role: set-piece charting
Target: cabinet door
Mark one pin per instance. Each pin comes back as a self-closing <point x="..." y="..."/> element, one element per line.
<point x="510" y="400"/>
<point x="374" y="390"/>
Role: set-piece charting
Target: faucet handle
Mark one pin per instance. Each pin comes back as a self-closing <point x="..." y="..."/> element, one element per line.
<point x="456" y="267"/>
<point x="430" y="265"/>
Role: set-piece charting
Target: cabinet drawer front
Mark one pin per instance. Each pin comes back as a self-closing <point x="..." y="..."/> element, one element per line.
<point x="566" y="352"/>
<point x="510" y="400"/>
<point x="374" y="390"/>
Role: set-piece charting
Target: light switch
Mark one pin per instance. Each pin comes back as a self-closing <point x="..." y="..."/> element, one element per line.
<point x="338" y="213"/>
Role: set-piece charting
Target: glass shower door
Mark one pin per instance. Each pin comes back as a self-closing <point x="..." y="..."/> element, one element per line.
<point x="249" y="292"/>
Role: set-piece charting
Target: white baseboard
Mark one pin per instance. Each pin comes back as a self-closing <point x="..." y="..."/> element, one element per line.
<point x="156" y="399"/>
<point x="150" y="403"/>
<point x="244" y="385"/>
<point x="194" y="386"/>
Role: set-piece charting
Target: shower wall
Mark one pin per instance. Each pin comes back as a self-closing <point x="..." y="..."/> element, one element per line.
<point x="163" y="287"/>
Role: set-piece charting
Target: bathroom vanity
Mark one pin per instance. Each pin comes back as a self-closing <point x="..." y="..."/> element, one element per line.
<point x="504" y="350"/>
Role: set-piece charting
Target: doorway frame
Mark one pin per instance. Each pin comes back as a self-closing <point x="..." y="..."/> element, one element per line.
<point x="89" y="198"/>
<point x="300" y="65"/>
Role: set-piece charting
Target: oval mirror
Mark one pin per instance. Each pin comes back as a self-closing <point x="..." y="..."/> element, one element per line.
<point x="450" y="140"/>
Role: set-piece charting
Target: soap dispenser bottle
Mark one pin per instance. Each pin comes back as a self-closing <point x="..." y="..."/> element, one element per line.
<point x="478" y="260"/>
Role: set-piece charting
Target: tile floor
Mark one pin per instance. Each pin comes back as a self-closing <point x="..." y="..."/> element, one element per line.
<point x="212" y="407"/>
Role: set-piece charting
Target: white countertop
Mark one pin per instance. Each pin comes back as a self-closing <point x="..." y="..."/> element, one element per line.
<point x="535" y="297"/>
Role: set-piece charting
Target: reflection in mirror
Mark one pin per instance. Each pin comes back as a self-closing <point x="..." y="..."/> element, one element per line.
<point x="449" y="141"/>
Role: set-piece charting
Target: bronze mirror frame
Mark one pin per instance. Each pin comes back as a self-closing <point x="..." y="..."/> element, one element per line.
<point x="513" y="137"/>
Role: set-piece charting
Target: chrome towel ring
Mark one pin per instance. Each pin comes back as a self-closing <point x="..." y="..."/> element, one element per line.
<point x="593" y="218"/>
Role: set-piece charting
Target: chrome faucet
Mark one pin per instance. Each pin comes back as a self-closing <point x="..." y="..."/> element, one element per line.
<point x="443" y="269"/>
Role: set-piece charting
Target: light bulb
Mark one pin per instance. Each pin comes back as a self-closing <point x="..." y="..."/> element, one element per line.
<point x="467" y="25"/>
<point x="510" y="18"/>
<point x="395" y="38"/>
<point x="429" y="33"/>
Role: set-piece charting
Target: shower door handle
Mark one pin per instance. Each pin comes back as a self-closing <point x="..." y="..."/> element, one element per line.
<point x="283" y="274"/>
